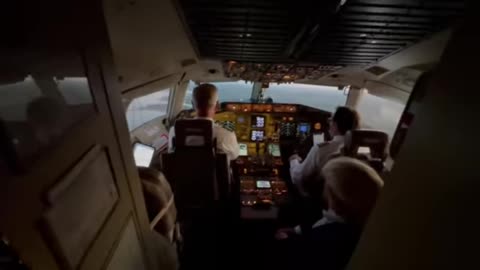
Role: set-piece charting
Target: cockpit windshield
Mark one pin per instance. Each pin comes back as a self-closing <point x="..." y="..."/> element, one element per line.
<point x="321" y="97"/>
<point x="238" y="91"/>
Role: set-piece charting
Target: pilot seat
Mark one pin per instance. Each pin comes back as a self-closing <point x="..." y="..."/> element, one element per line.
<point x="367" y="145"/>
<point x="199" y="175"/>
<point x="200" y="180"/>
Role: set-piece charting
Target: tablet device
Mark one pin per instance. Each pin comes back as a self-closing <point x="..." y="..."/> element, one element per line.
<point x="143" y="154"/>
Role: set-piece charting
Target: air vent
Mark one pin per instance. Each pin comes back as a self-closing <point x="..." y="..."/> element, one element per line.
<point x="377" y="70"/>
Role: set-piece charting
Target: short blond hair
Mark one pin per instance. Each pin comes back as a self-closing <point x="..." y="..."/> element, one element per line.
<point x="205" y="96"/>
<point x="352" y="187"/>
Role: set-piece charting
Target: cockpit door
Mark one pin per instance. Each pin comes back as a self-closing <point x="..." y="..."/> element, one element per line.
<point x="70" y="197"/>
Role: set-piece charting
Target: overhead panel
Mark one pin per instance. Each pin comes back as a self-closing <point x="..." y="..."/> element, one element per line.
<point x="373" y="29"/>
<point x="318" y="33"/>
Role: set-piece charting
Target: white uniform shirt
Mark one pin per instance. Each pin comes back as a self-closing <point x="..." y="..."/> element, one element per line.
<point x="314" y="162"/>
<point x="226" y="140"/>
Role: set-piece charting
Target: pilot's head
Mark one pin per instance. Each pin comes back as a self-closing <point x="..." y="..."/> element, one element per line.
<point x="344" y="119"/>
<point x="351" y="188"/>
<point x="205" y="99"/>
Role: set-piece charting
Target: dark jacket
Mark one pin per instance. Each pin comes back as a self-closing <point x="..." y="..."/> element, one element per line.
<point x="326" y="247"/>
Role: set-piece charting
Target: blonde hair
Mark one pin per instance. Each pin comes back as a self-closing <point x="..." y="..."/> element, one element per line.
<point x="351" y="187"/>
<point x="205" y="96"/>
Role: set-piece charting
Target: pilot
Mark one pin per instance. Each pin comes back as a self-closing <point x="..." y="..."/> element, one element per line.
<point x="205" y="100"/>
<point x="344" y="119"/>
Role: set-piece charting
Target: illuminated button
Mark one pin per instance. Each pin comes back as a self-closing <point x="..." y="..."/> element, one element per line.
<point x="317" y="126"/>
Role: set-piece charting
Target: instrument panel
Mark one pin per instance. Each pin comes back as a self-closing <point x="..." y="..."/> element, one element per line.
<point x="259" y="125"/>
<point x="249" y="107"/>
<point x="266" y="133"/>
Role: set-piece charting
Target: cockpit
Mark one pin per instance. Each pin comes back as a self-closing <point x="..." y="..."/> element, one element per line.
<point x="254" y="189"/>
<point x="98" y="119"/>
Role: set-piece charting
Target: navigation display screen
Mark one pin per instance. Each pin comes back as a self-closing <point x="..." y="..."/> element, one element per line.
<point x="257" y="135"/>
<point x="304" y="128"/>
<point x="263" y="184"/>
<point x="143" y="154"/>
<point x="243" y="149"/>
<point x="274" y="150"/>
<point x="258" y="121"/>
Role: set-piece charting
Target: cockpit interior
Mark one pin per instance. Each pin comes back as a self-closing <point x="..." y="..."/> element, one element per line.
<point x="92" y="177"/>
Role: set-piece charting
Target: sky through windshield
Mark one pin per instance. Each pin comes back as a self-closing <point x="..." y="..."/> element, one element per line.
<point x="317" y="96"/>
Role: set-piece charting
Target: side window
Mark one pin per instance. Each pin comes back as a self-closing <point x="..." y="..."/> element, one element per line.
<point x="187" y="102"/>
<point x="380" y="113"/>
<point x="146" y="108"/>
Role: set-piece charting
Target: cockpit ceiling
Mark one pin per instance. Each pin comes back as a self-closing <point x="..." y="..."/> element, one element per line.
<point x="326" y="33"/>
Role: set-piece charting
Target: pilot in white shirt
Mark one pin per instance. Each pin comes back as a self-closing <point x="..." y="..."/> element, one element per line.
<point x="205" y="99"/>
<point x="343" y="120"/>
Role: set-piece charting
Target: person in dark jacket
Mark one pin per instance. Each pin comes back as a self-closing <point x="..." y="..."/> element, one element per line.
<point x="350" y="192"/>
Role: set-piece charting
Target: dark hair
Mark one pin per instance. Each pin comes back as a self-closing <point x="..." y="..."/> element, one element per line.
<point x="205" y="96"/>
<point x="346" y="119"/>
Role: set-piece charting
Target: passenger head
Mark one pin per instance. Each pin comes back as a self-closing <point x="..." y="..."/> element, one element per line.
<point x="344" y="119"/>
<point x="351" y="188"/>
<point x="205" y="98"/>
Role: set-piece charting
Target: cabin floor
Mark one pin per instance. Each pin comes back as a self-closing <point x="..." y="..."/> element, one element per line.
<point x="245" y="245"/>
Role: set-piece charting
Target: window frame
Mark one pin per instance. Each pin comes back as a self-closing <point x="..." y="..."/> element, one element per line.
<point x="171" y="91"/>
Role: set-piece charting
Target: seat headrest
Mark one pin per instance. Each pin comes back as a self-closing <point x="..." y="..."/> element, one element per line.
<point x="371" y="142"/>
<point x="193" y="133"/>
